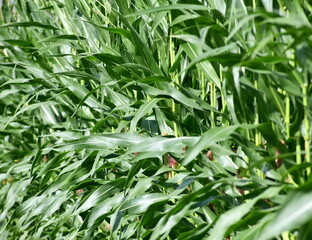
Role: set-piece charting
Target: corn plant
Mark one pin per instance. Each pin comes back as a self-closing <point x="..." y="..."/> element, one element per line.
<point x="157" y="119"/>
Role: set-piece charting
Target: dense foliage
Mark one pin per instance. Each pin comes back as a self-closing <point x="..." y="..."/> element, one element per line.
<point x="156" y="119"/>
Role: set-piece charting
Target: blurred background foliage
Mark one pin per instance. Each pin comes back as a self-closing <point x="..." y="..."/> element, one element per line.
<point x="157" y="119"/>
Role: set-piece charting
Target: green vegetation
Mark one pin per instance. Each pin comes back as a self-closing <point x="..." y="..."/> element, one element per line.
<point x="156" y="119"/>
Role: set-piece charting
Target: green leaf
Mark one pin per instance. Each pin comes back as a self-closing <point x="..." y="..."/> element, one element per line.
<point x="60" y="38"/>
<point x="194" y="53"/>
<point x="80" y="91"/>
<point x="29" y="24"/>
<point x="103" y="141"/>
<point x="143" y="110"/>
<point x="230" y="217"/>
<point x="141" y="203"/>
<point x="100" y="194"/>
<point x="170" y="7"/>
<point x="207" y="139"/>
<point x="295" y="212"/>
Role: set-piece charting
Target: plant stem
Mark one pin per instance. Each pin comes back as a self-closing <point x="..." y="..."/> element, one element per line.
<point x="285" y="235"/>
<point x="254" y="5"/>
<point x="307" y="127"/>
<point x="298" y="149"/>
<point x="203" y="84"/>
<point x="213" y="102"/>
<point x="287" y="118"/>
<point x="223" y="102"/>
<point x="257" y="133"/>
<point x="174" y="75"/>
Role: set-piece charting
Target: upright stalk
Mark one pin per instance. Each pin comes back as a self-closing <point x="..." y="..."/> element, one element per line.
<point x="213" y="102"/>
<point x="298" y="153"/>
<point x="258" y="137"/>
<point x="174" y="75"/>
<point x="287" y="118"/>
<point x="203" y="84"/>
<point x="254" y="5"/>
<point x="257" y="133"/>
<point x="258" y="141"/>
<point x="298" y="149"/>
<point x="306" y="121"/>
<point x="223" y="101"/>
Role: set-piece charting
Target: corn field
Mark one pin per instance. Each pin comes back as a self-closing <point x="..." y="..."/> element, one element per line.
<point x="156" y="119"/>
